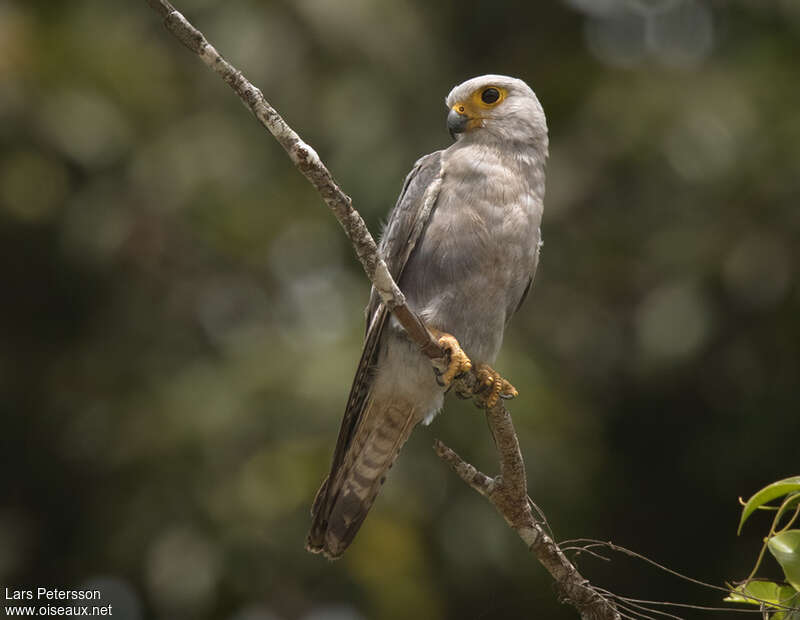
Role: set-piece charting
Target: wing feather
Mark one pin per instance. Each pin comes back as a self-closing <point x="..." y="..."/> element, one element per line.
<point x="407" y="221"/>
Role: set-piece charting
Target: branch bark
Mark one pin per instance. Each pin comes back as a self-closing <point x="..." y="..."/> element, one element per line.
<point x="308" y="162"/>
<point x="508" y="490"/>
<point x="508" y="493"/>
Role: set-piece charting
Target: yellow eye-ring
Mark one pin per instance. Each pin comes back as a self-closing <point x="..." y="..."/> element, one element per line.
<point x="489" y="97"/>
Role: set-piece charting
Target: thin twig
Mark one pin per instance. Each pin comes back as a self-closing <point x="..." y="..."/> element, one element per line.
<point x="507" y="491"/>
<point x="591" y="542"/>
<point x="588" y="544"/>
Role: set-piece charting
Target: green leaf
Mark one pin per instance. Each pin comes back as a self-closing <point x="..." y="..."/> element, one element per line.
<point x="761" y="592"/>
<point x="786" y="615"/>
<point x="794" y="614"/>
<point x="767" y="494"/>
<point x="786" y="549"/>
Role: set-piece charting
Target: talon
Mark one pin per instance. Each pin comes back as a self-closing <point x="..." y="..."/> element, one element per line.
<point x="457" y="361"/>
<point x="498" y="387"/>
<point x="484" y="376"/>
<point x="509" y="393"/>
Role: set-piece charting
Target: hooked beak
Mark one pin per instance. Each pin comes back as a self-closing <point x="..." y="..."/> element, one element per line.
<point x="456" y="123"/>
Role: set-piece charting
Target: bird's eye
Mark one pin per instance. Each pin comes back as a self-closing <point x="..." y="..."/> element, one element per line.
<point x="490" y="96"/>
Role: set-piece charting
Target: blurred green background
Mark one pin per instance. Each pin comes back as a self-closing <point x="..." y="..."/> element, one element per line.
<point x="182" y="316"/>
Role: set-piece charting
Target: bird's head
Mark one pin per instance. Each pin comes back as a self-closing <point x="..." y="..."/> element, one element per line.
<point x="496" y="107"/>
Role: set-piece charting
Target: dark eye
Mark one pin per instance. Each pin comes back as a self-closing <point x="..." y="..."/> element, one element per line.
<point x="490" y="95"/>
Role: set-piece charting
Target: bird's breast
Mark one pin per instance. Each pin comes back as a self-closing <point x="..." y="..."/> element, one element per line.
<point x="478" y="251"/>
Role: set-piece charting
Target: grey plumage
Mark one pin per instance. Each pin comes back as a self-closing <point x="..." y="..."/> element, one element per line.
<point x="463" y="243"/>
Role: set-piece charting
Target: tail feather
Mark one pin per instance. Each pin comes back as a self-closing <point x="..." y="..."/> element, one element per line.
<point x="345" y="497"/>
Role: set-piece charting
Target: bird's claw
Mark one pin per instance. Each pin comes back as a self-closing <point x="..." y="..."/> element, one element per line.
<point x="491" y="387"/>
<point x="456" y="361"/>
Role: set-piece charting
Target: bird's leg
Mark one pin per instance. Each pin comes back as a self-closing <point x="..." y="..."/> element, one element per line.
<point x="492" y="386"/>
<point x="456" y="360"/>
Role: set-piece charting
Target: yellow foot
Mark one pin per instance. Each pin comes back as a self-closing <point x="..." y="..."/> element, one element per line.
<point x="457" y="361"/>
<point x="493" y="385"/>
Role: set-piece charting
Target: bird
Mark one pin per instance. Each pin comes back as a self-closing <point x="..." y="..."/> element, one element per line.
<point x="463" y="243"/>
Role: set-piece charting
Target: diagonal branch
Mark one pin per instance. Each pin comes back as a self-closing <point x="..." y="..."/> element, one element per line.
<point x="508" y="490"/>
<point x="508" y="493"/>
<point x="308" y="162"/>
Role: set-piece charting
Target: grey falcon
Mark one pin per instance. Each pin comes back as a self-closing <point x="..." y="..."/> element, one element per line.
<point x="463" y="244"/>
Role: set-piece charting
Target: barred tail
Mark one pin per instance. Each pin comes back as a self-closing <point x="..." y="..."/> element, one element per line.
<point x="341" y="506"/>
